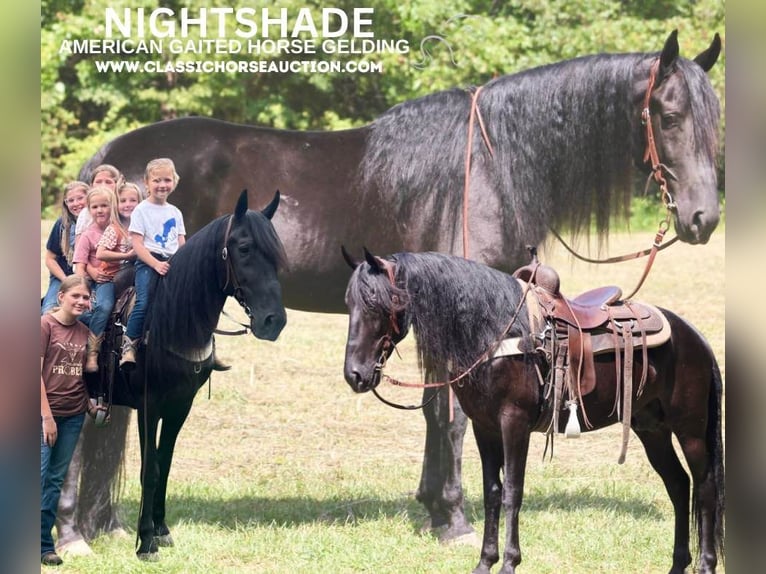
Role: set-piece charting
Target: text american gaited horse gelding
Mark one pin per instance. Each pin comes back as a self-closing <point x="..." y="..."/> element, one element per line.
<point x="565" y="137"/>
<point x="235" y="255"/>
<point x="459" y="309"/>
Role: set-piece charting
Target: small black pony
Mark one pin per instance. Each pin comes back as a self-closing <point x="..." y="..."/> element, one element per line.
<point x="566" y="140"/>
<point x="459" y="309"/>
<point x="236" y="255"/>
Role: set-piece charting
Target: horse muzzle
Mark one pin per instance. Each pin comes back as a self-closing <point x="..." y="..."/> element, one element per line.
<point x="269" y="326"/>
<point x="698" y="228"/>
<point x="362" y="382"/>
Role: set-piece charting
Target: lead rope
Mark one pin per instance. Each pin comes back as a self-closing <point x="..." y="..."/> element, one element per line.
<point x="475" y="113"/>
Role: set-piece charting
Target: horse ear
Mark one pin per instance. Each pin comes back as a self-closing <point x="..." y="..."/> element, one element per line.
<point x="668" y="56"/>
<point x="353" y="263"/>
<point x="709" y="57"/>
<point x="375" y="262"/>
<point x="241" y="208"/>
<point x="269" y="210"/>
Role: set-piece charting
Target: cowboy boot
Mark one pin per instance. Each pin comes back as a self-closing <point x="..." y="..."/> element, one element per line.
<point x="94" y="348"/>
<point x="218" y="365"/>
<point x="128" y="359"/>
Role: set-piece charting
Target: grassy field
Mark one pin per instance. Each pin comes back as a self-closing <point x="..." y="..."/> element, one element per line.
<point x="284" y="469"/>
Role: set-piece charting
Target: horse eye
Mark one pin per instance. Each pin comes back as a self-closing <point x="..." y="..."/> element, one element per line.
<point x="670" y="121"/>
<point x="243" y="249"/>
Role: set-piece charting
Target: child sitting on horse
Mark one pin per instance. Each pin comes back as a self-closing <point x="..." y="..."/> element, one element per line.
<point x="101" y="205"/>
<point x="60" y="246"/>
<point x="157" y="231"/>
<point x="115" y="248"/>
<point x="102" y="175"/>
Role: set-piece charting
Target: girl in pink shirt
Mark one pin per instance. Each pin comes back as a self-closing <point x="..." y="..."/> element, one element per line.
<point x="101" y="204"/>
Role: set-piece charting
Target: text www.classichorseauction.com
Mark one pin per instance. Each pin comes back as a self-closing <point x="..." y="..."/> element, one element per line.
<point x="208" y="31"/>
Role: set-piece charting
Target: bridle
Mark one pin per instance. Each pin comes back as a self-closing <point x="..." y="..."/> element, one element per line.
<point x="650" y="152"/>
<point x="233" y="280"/>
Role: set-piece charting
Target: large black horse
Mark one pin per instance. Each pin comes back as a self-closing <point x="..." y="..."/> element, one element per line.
<point x="565" y="139"/>
<point x="461" y="309"/>
<point x="235" y="255"/>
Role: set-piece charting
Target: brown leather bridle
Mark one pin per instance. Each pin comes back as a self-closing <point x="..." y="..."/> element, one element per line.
<point x="650" y="152"/>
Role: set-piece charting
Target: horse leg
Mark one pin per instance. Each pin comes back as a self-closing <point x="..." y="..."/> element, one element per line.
<point x="440" y="489"/>
<point x="656" y="438"/>
<point x="148" y="420"/>
<point x="103" y="450"/>
<point x="515" y="425"/>
<point x="491" y="453"/>
<point x="70" y="538"/>
<point x="171" y="426"/>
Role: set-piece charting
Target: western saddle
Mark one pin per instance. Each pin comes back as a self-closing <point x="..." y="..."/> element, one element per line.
<point x="570" y="332"/>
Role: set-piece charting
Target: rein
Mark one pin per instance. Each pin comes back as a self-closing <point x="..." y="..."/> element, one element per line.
<point x="231" y="279"/>
<point x="474" y="113"/>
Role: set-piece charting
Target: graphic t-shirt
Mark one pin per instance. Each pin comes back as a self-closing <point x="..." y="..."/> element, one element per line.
<point x="62" y="348"/>
<point x="159" y="224"/>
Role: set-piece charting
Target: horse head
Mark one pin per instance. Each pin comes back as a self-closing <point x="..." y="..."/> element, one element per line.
<point x="680" y="113"/>
<point x="254" y="254"/>
<point x="377" y="319"/>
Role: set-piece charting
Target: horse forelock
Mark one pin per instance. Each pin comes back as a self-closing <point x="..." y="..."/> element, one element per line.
<point x="266" y="239"/>
<point x="705" y="108"/>
<point x="458" y="308"/>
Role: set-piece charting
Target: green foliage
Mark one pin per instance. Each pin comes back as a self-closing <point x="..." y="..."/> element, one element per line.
<point x="452" y="43"/>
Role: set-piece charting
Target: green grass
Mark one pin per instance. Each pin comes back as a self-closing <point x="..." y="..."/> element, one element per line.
<point x="284" y="469"/>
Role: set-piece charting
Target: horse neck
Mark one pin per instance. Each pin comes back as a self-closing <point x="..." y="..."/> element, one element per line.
<point x="192" y="296"/>
<point x="566" y="137"/>
<point x="457" y="308"/>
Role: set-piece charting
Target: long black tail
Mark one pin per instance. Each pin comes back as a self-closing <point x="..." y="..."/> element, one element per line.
<point x="714" y="441"/>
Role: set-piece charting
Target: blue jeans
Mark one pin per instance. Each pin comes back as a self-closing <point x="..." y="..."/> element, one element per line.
<point x="145" y="282"/>
<point x="51" y="296"/>
<point x="54" y="462"/>
<point x="98" y="316"/>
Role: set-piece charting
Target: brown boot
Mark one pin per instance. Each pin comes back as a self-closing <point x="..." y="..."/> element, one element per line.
<point x="94" y="348"/>
<point x="128" y="359"/>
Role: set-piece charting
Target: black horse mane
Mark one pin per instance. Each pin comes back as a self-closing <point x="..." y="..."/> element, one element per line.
<point x="564" y="138"/>
<point x="188" y="300"/>
<point x="458" y="308"/>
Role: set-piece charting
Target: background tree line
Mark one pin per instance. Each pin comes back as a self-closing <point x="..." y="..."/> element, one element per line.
<point x="81" y="109"/>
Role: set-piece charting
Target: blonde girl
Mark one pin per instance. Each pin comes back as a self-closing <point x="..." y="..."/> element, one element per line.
<point x="115" y="248"/>
<point x="60" y="246"/>
<point x="157" y="231"/>
<point x="101" y="205"/>
<point x="105" y="175"/>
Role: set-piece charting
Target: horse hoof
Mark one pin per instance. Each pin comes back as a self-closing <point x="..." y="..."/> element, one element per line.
<point x="148" y="556"/>
<point x="75" y="548"/>
<point x="164" y="540"/>
<point x="469" y="539"/>
<point x="118" y="532"/>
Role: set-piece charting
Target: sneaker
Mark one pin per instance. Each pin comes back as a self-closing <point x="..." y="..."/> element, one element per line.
<point x="51" y="559"/>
